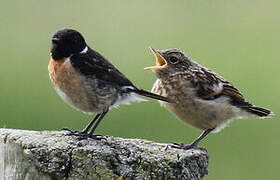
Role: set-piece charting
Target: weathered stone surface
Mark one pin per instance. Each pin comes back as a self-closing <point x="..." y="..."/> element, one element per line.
<point x="46" y="155"/>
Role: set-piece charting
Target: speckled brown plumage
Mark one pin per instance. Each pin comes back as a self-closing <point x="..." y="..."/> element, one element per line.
<point x="204" y="99"/>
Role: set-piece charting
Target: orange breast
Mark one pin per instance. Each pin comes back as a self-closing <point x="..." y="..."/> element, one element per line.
<point x="62" y="74"/>
<point x="70" y="85"/>
<point x="56" y="69"/>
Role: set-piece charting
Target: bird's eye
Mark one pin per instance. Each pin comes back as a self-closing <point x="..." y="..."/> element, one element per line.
<point x="173" y="59"/>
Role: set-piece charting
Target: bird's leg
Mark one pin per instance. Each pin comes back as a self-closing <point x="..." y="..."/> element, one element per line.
<point x="89" y="125"/>
<point x="85" y="130"/>
<point x="98" y="121"/>
<point x="200" y="137"/>
<point x="84" y="134"/>
<point x="89" y="130"/>
<point x="194" y="144"/>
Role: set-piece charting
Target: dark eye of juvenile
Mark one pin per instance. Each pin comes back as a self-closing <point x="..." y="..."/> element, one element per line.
<point x="173" y="59"/>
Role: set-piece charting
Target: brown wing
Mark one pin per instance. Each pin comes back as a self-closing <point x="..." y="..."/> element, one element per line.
<point x="211" y="86"/>
<point x="230" y="91"/>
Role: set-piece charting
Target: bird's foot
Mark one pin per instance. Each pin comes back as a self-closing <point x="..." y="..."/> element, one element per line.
<point x="83" y="134"/>
<point x="183" y="146"/>
<point x="70" y="131"/>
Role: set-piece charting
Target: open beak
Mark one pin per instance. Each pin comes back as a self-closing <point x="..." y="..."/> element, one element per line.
<point x="160" y="61"/>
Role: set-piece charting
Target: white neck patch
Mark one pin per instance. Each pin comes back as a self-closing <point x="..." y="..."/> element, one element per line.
<point x="84" y="50"/>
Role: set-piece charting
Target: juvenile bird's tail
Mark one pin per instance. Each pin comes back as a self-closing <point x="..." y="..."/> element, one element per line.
<point x="151" y="95"/>
<point x="258" y="111"/>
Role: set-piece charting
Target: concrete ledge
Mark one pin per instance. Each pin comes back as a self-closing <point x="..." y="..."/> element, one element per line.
<point x="45" y="155"/>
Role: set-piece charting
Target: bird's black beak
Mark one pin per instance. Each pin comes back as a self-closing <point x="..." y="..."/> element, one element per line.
<point x="55" y="40"/>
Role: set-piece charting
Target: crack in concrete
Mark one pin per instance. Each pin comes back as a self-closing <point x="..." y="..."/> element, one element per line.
<point x="69" y="166"/>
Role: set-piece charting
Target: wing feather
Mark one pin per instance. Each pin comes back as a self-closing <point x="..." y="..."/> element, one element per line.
<point x="94" y="64"/>
<point x="211" y="86"/>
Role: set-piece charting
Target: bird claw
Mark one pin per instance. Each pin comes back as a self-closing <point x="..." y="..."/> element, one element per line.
<point x="69" y="130"/>
<point x="81" y="135"/>
<point x="183" y="146"/>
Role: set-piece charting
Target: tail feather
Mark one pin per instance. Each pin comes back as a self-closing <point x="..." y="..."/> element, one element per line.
<point x="151" y="95"/>
<point x="258" y="111"/>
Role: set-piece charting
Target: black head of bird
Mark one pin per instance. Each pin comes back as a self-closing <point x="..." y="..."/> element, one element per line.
<point x="67" y="42"/>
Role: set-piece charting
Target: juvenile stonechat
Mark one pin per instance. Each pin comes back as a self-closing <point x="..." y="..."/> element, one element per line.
<point x="202" y="98"/>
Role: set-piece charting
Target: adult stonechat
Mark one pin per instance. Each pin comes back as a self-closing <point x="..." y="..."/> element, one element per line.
<point x="86" y="80"/>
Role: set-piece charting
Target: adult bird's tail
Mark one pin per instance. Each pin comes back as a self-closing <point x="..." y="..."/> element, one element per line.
<point x="151" y="95"/>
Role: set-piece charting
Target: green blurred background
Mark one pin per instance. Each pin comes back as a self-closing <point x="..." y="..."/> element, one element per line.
<point x="238" y="39"/>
